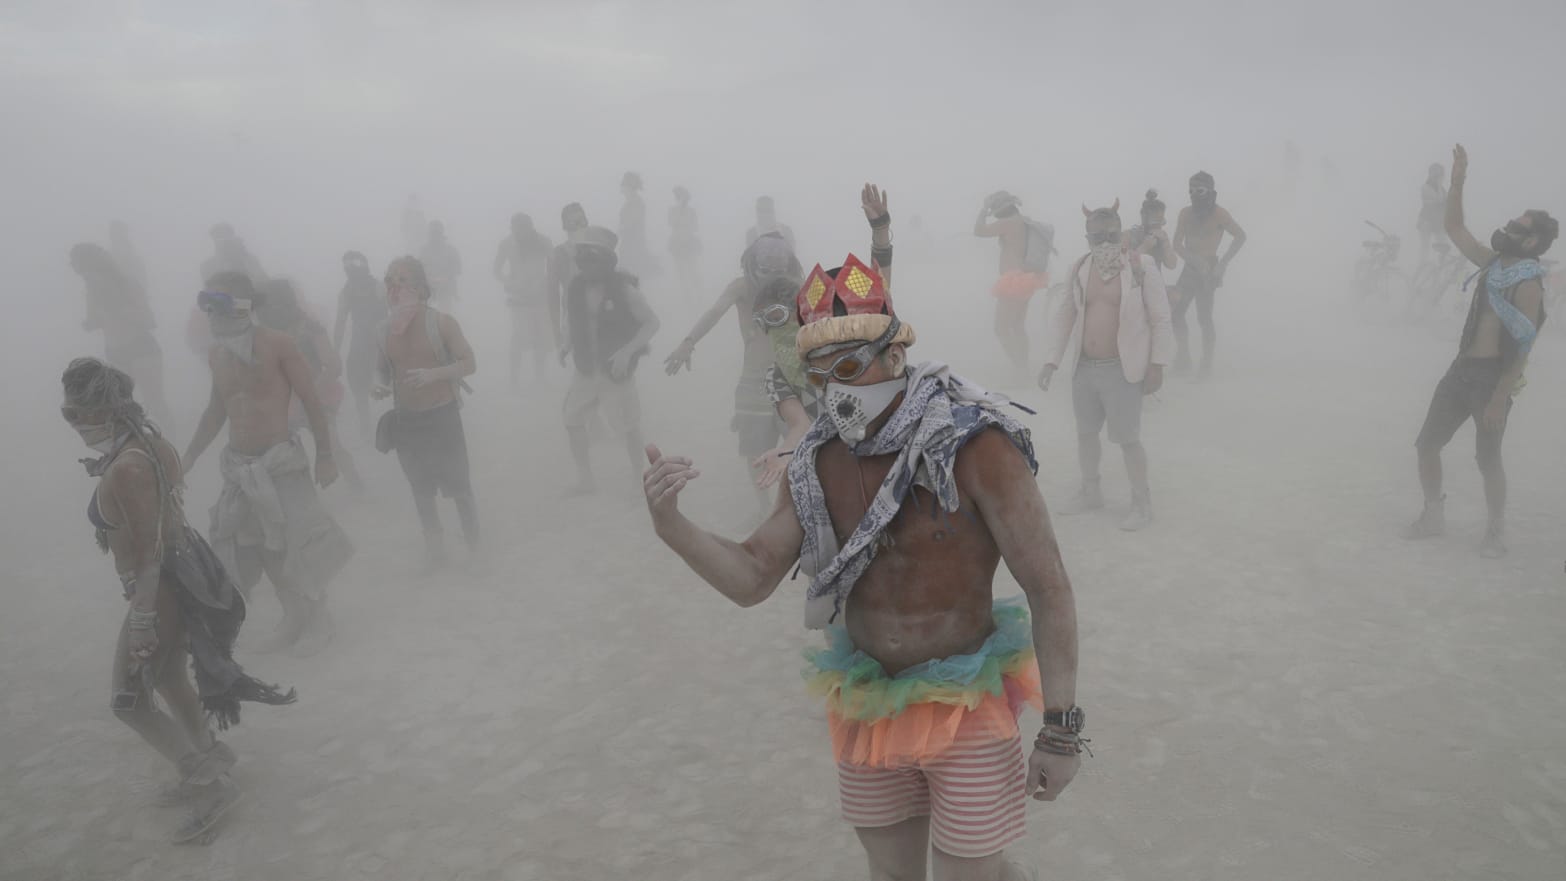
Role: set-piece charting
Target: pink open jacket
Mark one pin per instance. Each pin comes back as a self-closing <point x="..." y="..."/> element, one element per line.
<point x="1146" y="330"/>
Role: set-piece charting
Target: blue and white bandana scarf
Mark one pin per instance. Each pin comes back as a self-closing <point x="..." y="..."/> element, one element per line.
<point x="1498" y="280"/>
<point x="939" y="414"/>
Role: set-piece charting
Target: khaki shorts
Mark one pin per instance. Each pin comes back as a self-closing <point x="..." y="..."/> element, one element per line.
<point x="617" y="402"/>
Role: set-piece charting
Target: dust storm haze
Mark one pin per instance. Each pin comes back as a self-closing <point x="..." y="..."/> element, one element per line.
<point x="1278" y="684"/>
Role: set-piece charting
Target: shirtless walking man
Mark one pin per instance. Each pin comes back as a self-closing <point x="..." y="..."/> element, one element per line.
<point x="1116" y="313"/>
<point x="268" y="517"/>
<point x="1503" y="321"/>
<point x="900" y="503"/>
<point x="1198" y="233"/>
<point x="424" y="359"/>
<point x="1021" y="274"/>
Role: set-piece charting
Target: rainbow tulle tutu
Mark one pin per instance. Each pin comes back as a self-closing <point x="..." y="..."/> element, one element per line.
<point x="899" y="721"/>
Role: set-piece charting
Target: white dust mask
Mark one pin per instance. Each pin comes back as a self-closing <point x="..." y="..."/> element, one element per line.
<point x="852" y="408"/>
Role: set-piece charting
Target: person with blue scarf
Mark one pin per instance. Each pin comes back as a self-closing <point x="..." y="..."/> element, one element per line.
<point x="1503" y="321"/>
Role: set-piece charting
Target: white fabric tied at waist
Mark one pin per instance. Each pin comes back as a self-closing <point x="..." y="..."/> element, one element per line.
<point x="248" y="487"/>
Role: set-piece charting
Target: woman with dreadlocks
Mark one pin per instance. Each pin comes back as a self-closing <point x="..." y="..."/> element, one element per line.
<point x="184" y="610"/>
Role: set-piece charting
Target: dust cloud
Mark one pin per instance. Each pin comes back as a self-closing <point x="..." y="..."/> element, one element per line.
<point x="1278" y="685"/>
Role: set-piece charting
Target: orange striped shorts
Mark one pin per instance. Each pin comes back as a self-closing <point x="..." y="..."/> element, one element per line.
<point x="973" y="792"/>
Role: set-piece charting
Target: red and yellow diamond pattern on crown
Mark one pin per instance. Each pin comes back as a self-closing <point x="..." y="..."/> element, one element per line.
<point x="858" y="287"/>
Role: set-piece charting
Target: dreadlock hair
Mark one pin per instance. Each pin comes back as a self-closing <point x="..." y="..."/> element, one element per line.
<point x="93" y="385"/>
<point x="1545" y="227"/>
<point x="1151" y="202"/>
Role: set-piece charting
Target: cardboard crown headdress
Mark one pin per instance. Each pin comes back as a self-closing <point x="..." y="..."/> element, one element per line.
<point x="846" y="305"/>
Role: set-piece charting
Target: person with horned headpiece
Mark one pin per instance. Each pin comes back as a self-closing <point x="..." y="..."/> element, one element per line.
<point x="1112" y="333"/>
<point x="900" y="502"/>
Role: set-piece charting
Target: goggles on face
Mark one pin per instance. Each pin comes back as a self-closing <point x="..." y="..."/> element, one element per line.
<point x="74" y="414"/>
<point x="1103" y="238"/>
<point x="220" y="303"/>
<point x="1199" y="192"/>
<point x="852" y="364"/>
<point x="773" y="316"/>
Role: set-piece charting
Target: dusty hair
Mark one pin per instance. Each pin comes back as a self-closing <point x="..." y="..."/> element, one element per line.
<point x="93" y="385"/>
<point x="1545" y="227"/>
<point x="415" y="267"/>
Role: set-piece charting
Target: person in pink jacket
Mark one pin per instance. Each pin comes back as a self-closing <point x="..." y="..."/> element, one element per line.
<point x="1113" y="331"/>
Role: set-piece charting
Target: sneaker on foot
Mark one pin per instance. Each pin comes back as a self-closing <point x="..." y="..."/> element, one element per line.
<point x="209" y="805"/>
<point x="1084" y="501"/>
<point x="1139" y="518"/>
<point x="1431" y="523"/>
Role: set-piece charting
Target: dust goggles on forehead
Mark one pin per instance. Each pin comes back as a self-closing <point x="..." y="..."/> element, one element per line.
<point x="773" y="316"/>
<point x="852" y="364"/>
<point x="220" y="303"/>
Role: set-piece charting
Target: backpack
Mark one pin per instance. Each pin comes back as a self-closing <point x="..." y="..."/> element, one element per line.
<point x="1038" y="245"/>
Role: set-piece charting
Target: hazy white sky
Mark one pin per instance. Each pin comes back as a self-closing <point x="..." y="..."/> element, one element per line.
<point x="307" y="123"/>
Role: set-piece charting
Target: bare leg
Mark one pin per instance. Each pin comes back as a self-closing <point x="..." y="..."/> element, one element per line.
<point x="148" y="374"/>
<point x="1490" y="467"/>
<point x="1089" y="454"/>
<point x="1010" y="327"/>
<point x="1204" y="315"/>
<point x="296" y="608"/>
<point x="1430" y="473"/>
<point x="1181" y="303"/>
<point x="635" y="450"/>
<point x="1432" y="520"/>
<point x="1136" y="469"/>
<point x="995" y="867"/>
<point x="517" y="331"/>
<point x="897" y="852"/>
<point x="156" y="727"/>
<point x="467" y="515"/>
<point x="582" y="455"/>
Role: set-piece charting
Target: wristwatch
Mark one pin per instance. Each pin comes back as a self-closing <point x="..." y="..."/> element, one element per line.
<point x="1072" y="720"/>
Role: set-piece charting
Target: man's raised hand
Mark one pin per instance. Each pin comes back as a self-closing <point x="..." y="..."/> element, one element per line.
<point x="873" y="199"/>
<point x="663" y="480"/>
<point x="1459" y="165"/>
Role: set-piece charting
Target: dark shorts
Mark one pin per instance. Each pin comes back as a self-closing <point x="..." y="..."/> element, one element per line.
<point x="433" y="450"/>
<point x="1462" y="394"/>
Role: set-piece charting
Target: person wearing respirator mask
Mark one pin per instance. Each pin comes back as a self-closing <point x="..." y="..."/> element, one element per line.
<point x="1504" y="319"/>
<point x="892" y="436"/>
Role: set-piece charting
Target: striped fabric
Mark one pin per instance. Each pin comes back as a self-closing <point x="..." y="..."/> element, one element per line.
<point x="973" y="794"/>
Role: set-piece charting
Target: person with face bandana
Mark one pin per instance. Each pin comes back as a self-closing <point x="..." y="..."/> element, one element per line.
<point x="608" y="325"/>
<point x="1503" y="321"/>
<point x="522" y="268"/>
<point x="901" y="501"/>
<point x="1198" y="233"/>
<point x="184" y="610"/>
<point x="268" y="518"/>
<point x="425" y="359"/>
<point x="1112" y="332"/>
<point x="363" y="298"/>
<point x="769" y="259"/>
